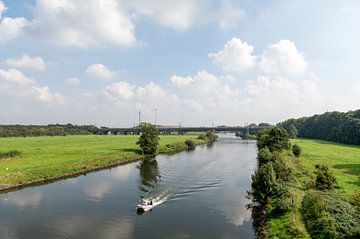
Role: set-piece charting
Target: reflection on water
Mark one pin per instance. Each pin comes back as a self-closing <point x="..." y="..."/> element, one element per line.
<point x="149" y="174"/>
<point x="200" y="194"/>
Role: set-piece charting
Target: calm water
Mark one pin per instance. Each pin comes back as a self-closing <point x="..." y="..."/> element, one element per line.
<point x="201" y="195"/>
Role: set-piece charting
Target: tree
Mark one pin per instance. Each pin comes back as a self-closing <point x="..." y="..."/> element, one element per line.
<point x="276" y="139"/>
<point x="292" y="132"/>
<point x="148" y="140"/>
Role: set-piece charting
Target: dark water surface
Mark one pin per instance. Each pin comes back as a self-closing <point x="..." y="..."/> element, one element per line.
<point x="201" y="194"/>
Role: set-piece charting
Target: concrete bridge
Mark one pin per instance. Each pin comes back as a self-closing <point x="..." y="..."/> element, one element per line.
<point x="183" y="130"/>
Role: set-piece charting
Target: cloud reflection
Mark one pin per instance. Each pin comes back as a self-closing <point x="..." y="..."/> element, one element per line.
<point x="22" y="199"/>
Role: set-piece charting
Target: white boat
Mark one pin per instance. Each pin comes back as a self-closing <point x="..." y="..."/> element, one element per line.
<point x="145" y="205"/>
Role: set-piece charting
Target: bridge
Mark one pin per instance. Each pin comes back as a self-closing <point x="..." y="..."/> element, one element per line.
<point x="183" y="130"/>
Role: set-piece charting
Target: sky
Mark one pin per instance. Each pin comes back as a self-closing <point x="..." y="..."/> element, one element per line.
<point x="190" y="62"/>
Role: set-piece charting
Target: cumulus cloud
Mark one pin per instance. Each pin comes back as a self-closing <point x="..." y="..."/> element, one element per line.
<point x="14" y="83"/>
<point x="235" y="56"/>
<point x="26" y="61"/>
<point x="229" y="15"/>
<point x="202" y="81"/>
<point x="82" y="23"/>
<point x="100" y="71"/>
<point x="72" y="81"/>
<point x="283" y="57"/>
<point x="10" y="28"/>
<point x="120" y="91"/>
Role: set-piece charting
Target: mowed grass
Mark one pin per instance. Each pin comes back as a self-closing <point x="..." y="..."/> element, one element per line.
<point x="46" y="157"/>
<point x="343" y="161"/>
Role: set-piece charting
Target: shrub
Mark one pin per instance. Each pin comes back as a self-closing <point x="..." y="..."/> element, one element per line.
<point x="282" y="170"/>
<point x="328" y="216"/>
<point x="191" y="144"/>
<point x="211" y="136"/>
<point x="10" y="154"/>
<point x="296" y="149"/>
<point x="324" y="179"/>
<point x="202" y="137"/>
<point x="264" y="156"/>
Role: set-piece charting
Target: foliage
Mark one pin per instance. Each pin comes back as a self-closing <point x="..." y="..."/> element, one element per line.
<point x="9" y="154"/>
<point x="148" y="140"/>
<point x="48" y="130"/>
<point x="275" y="139"/>
<point x="211" y="136"/>
<point x="332" y="126"/>
<point x="264" y="185"/>
<point x="328" y="216"/>
<point x="265" y="156"/>
<point x="292" y="131"/>
<point x="296" y="149"/>
<point x="324" y="179"/>
<point x="190" y="144"/>
<point x="283" y="171"/>
<point x="202" y="137"/>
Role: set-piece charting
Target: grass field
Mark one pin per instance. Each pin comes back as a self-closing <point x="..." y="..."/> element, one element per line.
<point x="344" y="163"/>
<point x="46" y="157"/>
<point x="343" y="160"/>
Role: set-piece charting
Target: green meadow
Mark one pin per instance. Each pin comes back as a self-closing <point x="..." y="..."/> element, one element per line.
<point x="47" y="157"/>
<point x="344" y="163"/>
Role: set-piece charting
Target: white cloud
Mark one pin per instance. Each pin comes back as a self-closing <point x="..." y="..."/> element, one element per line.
<point x="175" y="14"/>
<point x="100" y="71"/>
<point x="283" y="57"/>
<point x="120" y="91"/>
<point x="72" y="81"/>
<point x="82" y="23"/>
<point x="202" y="81"/>
<point x="14" y="83"/>
<point x="229" y="15"/>
<point x="10" y="28"/>
<point x="235" y="56"/>
<point x="2" y="8"/>
<point x="26" y="61"/>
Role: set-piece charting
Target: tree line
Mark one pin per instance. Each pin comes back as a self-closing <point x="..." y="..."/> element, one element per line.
<point x="46" y="130"/>
<point x="332" y="126"/>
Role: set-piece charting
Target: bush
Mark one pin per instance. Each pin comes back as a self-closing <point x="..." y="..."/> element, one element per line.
<point x="10" y="154"/>
<point x="282" y="170"/>
<point x="317" y="220"/>
<point x="211" y="136"/>
<point x="191" y="144"/>
<point x="202" y="137"/>
<point x="173" y="148"/>
<point x="324" y="179"/>
<point x="264" y="156"/>
<point x="328" y="216"/>
<point x="296" y="150"/>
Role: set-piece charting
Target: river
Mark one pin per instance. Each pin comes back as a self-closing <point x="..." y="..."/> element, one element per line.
<point x="201" y="194"/>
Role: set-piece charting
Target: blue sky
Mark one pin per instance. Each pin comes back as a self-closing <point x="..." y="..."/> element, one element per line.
<point x="197" y="62"/>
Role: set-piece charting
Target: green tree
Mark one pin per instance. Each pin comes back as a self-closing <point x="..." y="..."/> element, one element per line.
<point x="292" y="131"/>
<point x="264" y="185"/>
<point x="276" y="139"/>
<point x="148" y="140"/>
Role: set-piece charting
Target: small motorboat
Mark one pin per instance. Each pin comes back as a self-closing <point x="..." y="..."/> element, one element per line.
<point x="145" y="205"/>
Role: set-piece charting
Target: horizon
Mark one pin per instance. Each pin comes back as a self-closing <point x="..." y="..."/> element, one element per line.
<point x="198" y="63"/>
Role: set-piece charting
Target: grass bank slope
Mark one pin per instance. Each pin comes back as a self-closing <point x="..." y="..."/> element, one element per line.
<point x="49" y="157"/>
<point x="343" y="160"/>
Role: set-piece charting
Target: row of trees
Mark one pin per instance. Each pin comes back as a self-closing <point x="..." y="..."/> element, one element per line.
<point x="332" y="126"/>
<point x="47" y="130"/>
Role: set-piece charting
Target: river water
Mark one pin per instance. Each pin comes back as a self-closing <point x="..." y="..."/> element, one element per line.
<point x="201" y="194"/>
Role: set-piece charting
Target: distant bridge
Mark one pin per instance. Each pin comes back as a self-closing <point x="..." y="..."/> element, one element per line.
<point x="183" y="130"/>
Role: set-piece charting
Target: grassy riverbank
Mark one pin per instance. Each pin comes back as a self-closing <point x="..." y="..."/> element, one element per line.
<point x="343" y="162"/>
<point x="42" y="158"/>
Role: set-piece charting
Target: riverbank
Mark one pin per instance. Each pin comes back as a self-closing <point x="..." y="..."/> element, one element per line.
<point x="48" y="159"/>
<point x="343" y="163"/>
